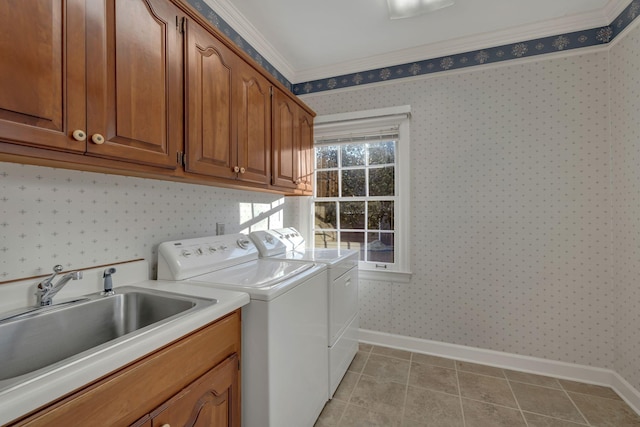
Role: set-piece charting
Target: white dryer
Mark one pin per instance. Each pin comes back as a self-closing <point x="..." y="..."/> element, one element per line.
<point x="284" y="361"/>
<point x="343" y="320"/>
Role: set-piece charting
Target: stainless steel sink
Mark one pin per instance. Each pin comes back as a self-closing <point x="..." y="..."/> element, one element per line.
<point x="40" y="339"/>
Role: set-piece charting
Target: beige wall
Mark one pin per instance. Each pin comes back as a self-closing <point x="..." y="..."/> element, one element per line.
<point x="510" y="206"/>
<point x="625" y="155"/>
<point x="81" y="219"/>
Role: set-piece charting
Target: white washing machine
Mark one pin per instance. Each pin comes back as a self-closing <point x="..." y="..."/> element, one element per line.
<point x="284" y="361"/>
<point x="343" y="321"/>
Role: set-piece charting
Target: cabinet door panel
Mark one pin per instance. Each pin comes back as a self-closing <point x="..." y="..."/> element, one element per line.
<point x="134" y="80"/>
<point x="306" y="161"/>
<point x="210" y="401"/>
<point x="42" y="92"/>
<point x="253" y="107"/>
<point x="284" y="141"/>
<point x="210" y="146"/>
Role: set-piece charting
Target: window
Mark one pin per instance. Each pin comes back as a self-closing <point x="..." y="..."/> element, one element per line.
<point x="361" y="189"/>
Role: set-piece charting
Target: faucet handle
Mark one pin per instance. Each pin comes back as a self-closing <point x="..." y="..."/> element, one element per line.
<point x="47" y="281"/>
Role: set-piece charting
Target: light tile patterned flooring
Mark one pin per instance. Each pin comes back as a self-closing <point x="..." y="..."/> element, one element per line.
<point x="389" y="387"/>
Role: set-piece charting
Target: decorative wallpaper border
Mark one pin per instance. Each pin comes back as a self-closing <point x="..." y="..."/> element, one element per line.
<point x="524" y="49"/>
<point x="225" y="28"/>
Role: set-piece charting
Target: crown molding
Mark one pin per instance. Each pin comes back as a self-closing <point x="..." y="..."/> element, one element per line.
<point x="614" y="8"/>
<point x="563" y="25"/>
<point x="247" y="31"/>
<point x="522" y="33"/>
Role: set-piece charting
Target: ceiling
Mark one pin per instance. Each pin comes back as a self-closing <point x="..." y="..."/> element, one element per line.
<point x="307" y="40"/>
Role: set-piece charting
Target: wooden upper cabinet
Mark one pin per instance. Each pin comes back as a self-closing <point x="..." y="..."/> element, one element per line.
<point x="134" y="81"/>
<point x="284" y="141"/>
<point x="293" y="154"/>
<point x="253" y="114"/>
<point x="228" y="112"/>
<point x="42" y="92"/>
<point x="306" y="156"/>
<point x="212" y="400"/>
<point x="210" y="145"/>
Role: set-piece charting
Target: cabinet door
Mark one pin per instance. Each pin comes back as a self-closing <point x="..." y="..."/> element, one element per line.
<point x="253" y="115"/>
<point x="285" y="153"/>
<point x="306" y="158"/>
<point x="210" y="401"/>
<point x="42" y="90"/>
<point x="134" y="81"/>
<point x="210" y="146"/>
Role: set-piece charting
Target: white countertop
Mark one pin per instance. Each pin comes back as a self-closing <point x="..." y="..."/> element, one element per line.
<point x="34" y="393"/>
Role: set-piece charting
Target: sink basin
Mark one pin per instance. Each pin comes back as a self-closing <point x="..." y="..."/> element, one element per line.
<point x="42" y="339"/>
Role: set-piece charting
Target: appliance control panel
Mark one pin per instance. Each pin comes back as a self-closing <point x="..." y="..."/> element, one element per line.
<point x="183" y="259"/>
<point x="278" y="241"/>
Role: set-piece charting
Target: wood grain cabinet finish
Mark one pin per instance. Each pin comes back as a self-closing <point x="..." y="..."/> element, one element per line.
<point x="134" y="81"/>
<point x="144" y="88"/>
<point x="194" y="378"/>
<point x="293" y="156"/>
<point x="228" y="112"/>
<point x="210" y="401"/>
<point x="42" y="72"/>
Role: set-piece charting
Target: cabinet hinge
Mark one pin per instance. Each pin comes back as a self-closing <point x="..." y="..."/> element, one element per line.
<point x="181" y="159"/>
<point x="180" y="24"/>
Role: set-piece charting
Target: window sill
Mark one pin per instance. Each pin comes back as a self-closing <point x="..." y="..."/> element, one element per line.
<point x="385" y="276"/>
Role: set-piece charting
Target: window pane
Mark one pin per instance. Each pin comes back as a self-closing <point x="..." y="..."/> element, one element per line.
<point x="353" y="155"/>
<point x="326" y="239"/>
<point x="380" y="247"/>
<point x="381" y="153"/>
<point x="380" y="216"/>
<point x="326" y="157"/>
<point x="325" y="215"/>
<point x="327" y="184"/>
<point x="382" y="181"/>
<point x="353" y="183"/>
<point x="352" y="215"/>
<point x="351" y="240"/>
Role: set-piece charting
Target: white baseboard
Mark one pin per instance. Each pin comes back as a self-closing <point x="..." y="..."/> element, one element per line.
<point x="533" y="365"/>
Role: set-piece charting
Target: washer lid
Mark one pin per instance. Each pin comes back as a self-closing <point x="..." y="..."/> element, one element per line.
<point x="323" y="255"/>
<point x="256" y="274"/>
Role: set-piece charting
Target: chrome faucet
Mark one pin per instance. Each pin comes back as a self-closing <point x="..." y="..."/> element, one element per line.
<point x="46" y="290"/>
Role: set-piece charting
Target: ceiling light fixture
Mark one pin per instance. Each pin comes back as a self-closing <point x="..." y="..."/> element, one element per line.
<point x="407" y="8"/>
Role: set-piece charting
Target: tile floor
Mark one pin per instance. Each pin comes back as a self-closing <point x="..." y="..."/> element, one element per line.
<point x="388" y="387"/>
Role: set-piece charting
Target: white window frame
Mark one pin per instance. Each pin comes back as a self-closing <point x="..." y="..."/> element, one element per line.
<point x="369" y="122"/>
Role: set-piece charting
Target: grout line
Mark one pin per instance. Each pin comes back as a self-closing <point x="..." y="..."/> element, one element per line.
<point x="455" y="368"/>
<point x="575" y="406"/>
<point x="557" y="419"/>
<point x="355" y="385"/>
<point x="526" y="423"/>
<point x="406" y="389"/>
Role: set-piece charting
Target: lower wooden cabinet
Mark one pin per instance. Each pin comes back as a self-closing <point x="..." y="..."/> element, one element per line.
<point x="209" y="401"/>
<point x="191" y="382"/>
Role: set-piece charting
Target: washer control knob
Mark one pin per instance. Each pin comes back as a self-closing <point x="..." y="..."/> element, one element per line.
<point x="212" y="249"/>
<point x="223" y="247"/>
<point x="243" y="243"/>
<point x="199" y="251"/>
<point x="186" y="253"/>
<point x="269" y="239"/>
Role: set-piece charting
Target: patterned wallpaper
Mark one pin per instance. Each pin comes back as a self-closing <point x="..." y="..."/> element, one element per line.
<point x="81" y="219"/>
<point x="511" y="209"/>
<point x="625" y="142"/>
